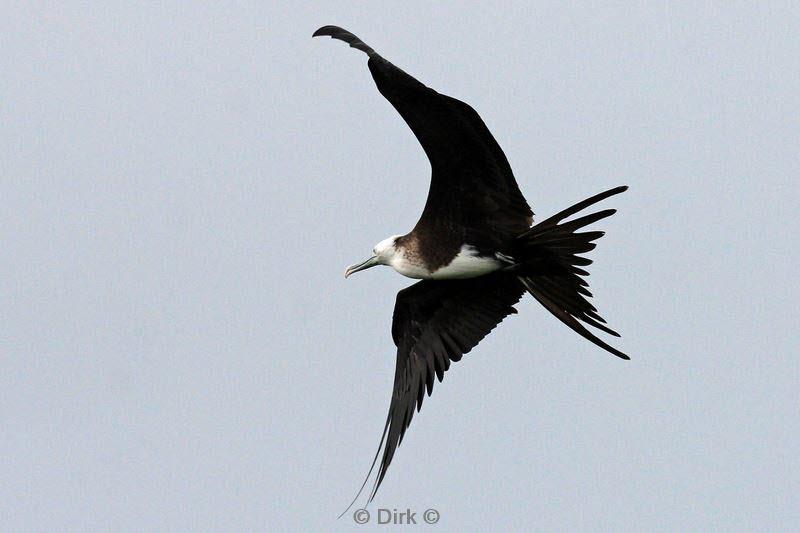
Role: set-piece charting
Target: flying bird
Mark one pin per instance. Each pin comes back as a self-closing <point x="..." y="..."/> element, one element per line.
<point x="475" y="248"/>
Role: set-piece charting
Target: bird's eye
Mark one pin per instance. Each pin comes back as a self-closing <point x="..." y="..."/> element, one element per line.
<point x="374" y="251"/>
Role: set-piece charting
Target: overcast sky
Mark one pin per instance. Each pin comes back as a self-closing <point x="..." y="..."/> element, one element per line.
<point x="183" y="184"/>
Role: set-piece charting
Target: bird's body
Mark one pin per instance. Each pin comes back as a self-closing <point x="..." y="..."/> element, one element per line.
<point x="408" y="257"/>
<point x="474" y="247"/>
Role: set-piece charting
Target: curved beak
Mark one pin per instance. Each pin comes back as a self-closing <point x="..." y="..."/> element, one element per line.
<point x="371" y="262"/>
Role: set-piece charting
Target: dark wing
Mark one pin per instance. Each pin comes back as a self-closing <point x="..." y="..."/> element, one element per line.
<point x="436" y="322"/>
<point x="471" y="179"/>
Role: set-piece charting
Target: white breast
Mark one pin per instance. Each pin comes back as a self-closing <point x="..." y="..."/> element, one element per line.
<point x="408" y="268"/>
<point x="467" y="264"/>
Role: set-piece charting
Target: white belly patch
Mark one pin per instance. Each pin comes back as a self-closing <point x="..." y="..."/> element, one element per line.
<point x="467" y="264"/>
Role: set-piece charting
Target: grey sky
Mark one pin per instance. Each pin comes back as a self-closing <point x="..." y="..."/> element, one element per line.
<point x="182" y="186"/>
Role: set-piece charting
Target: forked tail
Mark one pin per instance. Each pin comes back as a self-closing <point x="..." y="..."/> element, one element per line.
<point x="549" y="265"/>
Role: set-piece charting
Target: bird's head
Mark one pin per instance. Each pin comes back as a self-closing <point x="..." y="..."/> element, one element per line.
<point x="382" y="254"/>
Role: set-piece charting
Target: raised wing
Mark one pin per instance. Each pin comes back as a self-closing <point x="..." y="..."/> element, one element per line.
<point x="436" y="322"/>
<point x="471" y="179"/>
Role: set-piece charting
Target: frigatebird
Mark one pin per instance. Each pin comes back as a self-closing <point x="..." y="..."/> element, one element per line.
<point x="475" y="248"/>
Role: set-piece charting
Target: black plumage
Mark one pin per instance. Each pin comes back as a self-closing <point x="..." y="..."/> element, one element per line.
<point x="475" y="200"/>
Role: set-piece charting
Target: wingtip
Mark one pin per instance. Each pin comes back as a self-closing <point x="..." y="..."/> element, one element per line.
<point x="326" y="30"/>
<point x="337" y="32"/>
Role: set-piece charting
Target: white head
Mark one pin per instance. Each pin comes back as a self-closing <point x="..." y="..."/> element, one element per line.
<point x="382" y="254"/>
